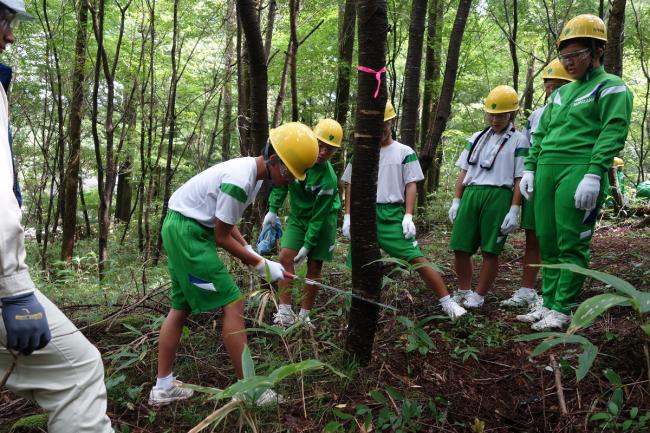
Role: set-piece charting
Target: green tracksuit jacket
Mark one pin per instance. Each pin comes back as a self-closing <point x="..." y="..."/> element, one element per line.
<point x="585" y="122"/>
<point x="583" y="127"/>
<point x="312" y="200"/>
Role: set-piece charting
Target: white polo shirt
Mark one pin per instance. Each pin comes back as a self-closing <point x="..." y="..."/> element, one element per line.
<point x="532" y="123"/>
<point x="398" y="166"/>
<point x="223" y="191"/>
<point x="508" y="164"/>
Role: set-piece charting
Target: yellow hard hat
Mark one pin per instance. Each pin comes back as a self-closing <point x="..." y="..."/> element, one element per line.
<point x="389" y="112"/>
<point x="502" y="99"/>
<point x="329" y="131"/>
<point x="555" y="71"/>
<point x="618" y="162"/>
<point x="296" y="146"/>
<point x="583" y="26"/>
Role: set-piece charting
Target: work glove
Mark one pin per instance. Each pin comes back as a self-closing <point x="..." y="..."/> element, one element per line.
<point x="302" y="255"/>
<point x="269" y="218"/>
<point x="251" y="250"/>
<point x="275" y="270"/>
<point x="408" y="228"/>
<point x="346" y="226"/>
<point x="453" y="210"/>
<point x="587" y="192"/>
<point x="511" y="221"/>
<point x="25" y="323"/>
<point x="526" y="184"/>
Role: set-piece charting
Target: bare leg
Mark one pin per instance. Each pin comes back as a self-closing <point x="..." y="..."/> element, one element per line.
<point x="463" y="264"/>
<point x="489" y="269"/>
<point x="286" y="259"/>
<point x="314" y="268"/>
<point x="431" y="278"/>
<point x="234" y="334"/>
<point x="170" y="337"/>
<point x="531" y="257"/>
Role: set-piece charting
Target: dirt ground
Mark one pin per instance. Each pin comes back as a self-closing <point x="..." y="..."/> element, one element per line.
<point x="505" y="389"/>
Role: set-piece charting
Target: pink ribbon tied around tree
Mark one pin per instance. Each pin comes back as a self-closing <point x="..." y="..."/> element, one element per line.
<point x="377" y="76"/>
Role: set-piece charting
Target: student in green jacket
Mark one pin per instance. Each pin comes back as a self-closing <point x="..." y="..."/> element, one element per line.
<point x="311" y="230"/>
<point x="554" y="76"/>
<point x="583" y="127"/>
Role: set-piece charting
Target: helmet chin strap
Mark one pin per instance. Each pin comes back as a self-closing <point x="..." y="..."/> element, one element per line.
<point x="267" y="161"/>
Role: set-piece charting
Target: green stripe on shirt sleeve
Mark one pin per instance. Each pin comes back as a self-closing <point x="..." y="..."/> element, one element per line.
<point x="521" y="151"/>
<point x="234" y="191"/>
<point x="410" y="158"/>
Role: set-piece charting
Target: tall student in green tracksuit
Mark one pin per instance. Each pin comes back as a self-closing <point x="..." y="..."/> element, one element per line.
<point x="311" y="230"/>
<point x="203" y="215"/>
<point x="584" y="126"/>
<point x="554" y="77"/>
<point x="399" y="172"/>
<point x="486" y="205"/>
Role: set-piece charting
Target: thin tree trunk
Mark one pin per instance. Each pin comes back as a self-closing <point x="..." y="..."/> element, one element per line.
<point x="288" y="71"/>
<point x="84" y="208"/>
<point x="366" y="271"/>
<point x="512" y="40"/>
<point x="231" y="29"/>
<point x="411" y="98"/>
<point x="432" y="66"/>
<point x="74" y="134"/>
<point x="270" y="22"/>
<point x="243" y="94"/>
<point x="615" y="38"/>
<point x="443" y="109"/>
<point x="258" y="73"/>
<point x="529" y="89"/>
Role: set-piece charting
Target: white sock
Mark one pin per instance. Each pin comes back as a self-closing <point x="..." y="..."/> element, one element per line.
<point x="303" y="313"/>
<point x="444" y="299"/>
<point x="285" y="309"/>
<point x="480" y="297"/>
<point x="526" y="290"/>
<point x="165" y="382"/>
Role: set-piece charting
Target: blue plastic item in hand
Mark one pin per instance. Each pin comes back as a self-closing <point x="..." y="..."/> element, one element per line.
<point x="269" y="235"/>
<point x="25" y="323"/>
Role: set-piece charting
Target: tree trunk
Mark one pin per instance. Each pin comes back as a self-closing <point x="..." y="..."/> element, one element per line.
<point x="270" y="22"/>
<point x="231" y="29"/>
<point x="243" y="94"/>
<point x="258" y="73"/>
<point x="512" y="41"/>
<point x="443" y="109"/>
<point x="74" y="134"/>
<point x="432" y="66"/>
<point x="288" y="71"/>
<point x="124" y="192"/>
<point x="529" y="89"/>
<point x="366" y="271"/>
<point x="615" y="38"/>
<point x="411" y="99"/>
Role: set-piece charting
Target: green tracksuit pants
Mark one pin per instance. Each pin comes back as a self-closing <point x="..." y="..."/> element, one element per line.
<point x="564" y="232"/>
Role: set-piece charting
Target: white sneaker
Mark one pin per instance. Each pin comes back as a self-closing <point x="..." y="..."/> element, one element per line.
<point x="520" y="298"/>
<point x="452" y="309"/>
<point x="306" y="321"/>
<point x="268" y="398"/>
<point x="553" y="320"/>
<point x="536" y="314"/>
<point x="473" y="300"/>
<point x="284" y="318"/>
<point x="162" y="397"/>
<point x="459" y="295"/>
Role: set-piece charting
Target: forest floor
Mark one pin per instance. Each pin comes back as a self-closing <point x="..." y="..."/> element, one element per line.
<point x="427" y="373"/>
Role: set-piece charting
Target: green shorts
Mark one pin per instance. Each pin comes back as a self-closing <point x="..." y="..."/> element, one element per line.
<point x="527" y="214"/>
<point x="293" y="237"/>
<point x="478" y="222"/>
<point x="390" y="234"/>
<point x="200" y="281"/>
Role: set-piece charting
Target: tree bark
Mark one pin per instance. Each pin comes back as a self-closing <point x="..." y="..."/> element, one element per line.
<point x="512" y="41"/>
<point x="615" y="38"/>
<point x="411" y="98"/>
<point x="443" y="109"/>
<point x="366" y="271"/>
<point x="288" y="71"/>
<point x="529" y="90"/>
<point x="432" y="66"/>
<point x="243" y="94"/>
<point x="231" y="29"/>
<point x="270" y="22"/>
<point x="74" y="135"/>
<point x="258" y="73"/>
<point x="124" y="192"/>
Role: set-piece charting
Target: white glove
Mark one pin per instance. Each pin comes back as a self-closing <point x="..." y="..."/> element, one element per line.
<point x="302" y="255"/>
<point x="408" y="228"/>
<point x="276" y="270"/>
<point x="587" y="192"/>
<point x="526" y="184"/>
<point x="270" y="218"/>
<point x="346" y="226"/>
<point x="453" y="210"/>
<point x="251" y="250"/>
<point x="511" y="221"/>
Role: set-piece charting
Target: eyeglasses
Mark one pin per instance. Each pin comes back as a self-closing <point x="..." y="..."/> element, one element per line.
<point x="284" y="172"/>
<point x="326" y="148"/>
<point x="498" y="116"/>
<point x="572" y="56"/>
